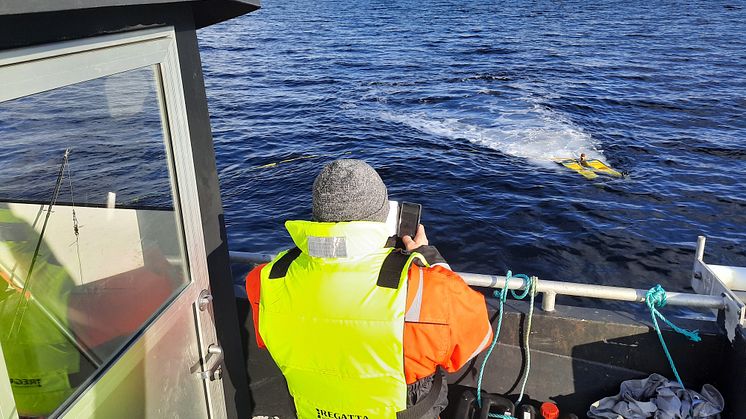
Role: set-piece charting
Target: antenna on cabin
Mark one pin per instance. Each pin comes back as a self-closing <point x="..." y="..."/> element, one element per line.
<point x="23" y="303"/>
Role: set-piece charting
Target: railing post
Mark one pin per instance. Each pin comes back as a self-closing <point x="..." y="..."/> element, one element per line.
<point x="700" y="253"/>
<point x="547" y="301"/>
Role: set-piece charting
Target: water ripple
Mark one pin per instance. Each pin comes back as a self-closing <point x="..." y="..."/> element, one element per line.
<point x="460" y="104"/>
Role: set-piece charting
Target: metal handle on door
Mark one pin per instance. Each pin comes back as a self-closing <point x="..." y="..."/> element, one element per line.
<point x="204" y="300"/>
<point x="215" y="372"/>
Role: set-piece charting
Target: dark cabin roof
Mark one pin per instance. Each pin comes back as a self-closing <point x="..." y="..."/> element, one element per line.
<point x="206" y="12"/>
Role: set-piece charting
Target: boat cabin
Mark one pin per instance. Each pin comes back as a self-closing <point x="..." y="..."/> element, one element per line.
<point x="116" y="294"/>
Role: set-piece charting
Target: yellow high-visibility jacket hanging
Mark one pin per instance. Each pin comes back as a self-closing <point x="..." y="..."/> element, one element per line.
<point x="38" y="355"/>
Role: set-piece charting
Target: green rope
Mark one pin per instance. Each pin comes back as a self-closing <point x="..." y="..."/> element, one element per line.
<point x="529" y="286"/>
<point x="656" y="297"/>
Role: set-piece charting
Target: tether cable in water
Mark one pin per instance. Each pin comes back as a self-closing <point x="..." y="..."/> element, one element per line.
<point x="293" y="159"/>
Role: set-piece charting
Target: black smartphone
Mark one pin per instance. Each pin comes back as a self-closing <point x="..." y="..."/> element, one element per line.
<point x="409" y="219"/>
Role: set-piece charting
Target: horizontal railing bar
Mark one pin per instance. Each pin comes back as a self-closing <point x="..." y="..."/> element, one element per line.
<point x="250" y="258"/>
<point x="604" y="292"/>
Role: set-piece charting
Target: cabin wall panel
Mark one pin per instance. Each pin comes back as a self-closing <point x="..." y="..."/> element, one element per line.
<point x="235" y="380"/>
<point x="24" y="30"/>
<point x="733" y="374"/>
<point x="206" y="12"/>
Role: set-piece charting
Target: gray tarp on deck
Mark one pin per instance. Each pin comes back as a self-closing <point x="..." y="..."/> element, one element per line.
<point x="659" y="398"/>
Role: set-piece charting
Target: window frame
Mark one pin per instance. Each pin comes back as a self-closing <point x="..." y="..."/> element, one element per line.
<point x="31" y="70"/>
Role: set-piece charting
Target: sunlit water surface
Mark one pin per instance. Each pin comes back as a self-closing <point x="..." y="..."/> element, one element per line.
<point x="460" y="105"/>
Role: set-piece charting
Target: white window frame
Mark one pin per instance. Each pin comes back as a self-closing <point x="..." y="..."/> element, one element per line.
<point x="31" y="70"/>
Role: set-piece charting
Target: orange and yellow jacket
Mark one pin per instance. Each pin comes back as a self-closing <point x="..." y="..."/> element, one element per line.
<point x="448" y="326"/>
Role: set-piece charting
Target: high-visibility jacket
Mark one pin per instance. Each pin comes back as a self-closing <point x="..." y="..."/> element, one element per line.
<point x="38" y="356"/>
<point x="316" y="321"/>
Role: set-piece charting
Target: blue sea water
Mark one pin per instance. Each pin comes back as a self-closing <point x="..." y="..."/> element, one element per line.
<point x="460" y="105"/>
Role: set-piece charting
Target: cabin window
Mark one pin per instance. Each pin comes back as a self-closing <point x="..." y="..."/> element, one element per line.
<point x="91" y="240"/>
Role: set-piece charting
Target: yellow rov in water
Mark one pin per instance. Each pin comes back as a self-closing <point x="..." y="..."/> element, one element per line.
<point x="590" y="169"/>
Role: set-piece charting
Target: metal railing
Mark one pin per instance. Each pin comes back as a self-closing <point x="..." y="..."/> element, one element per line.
<point x="550" y="289"/>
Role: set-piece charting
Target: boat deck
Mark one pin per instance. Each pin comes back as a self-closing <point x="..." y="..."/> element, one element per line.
<point x="578" y="355"/>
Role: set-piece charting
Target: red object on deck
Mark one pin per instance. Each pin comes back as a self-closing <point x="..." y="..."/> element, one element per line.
<point x="549" y="410"/>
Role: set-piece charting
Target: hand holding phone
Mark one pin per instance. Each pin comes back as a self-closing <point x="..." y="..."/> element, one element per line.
<point x="409" y="219"/>
<point x="419" y="239"/>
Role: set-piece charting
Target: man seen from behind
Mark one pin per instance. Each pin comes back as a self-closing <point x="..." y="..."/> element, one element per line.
<point x="359" y="328"/>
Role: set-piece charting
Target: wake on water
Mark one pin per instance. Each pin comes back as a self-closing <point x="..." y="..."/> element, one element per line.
<point x="534" y="133"/>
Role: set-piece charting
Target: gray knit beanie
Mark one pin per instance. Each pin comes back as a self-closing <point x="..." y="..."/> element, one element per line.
<point x="349" y="190"/>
